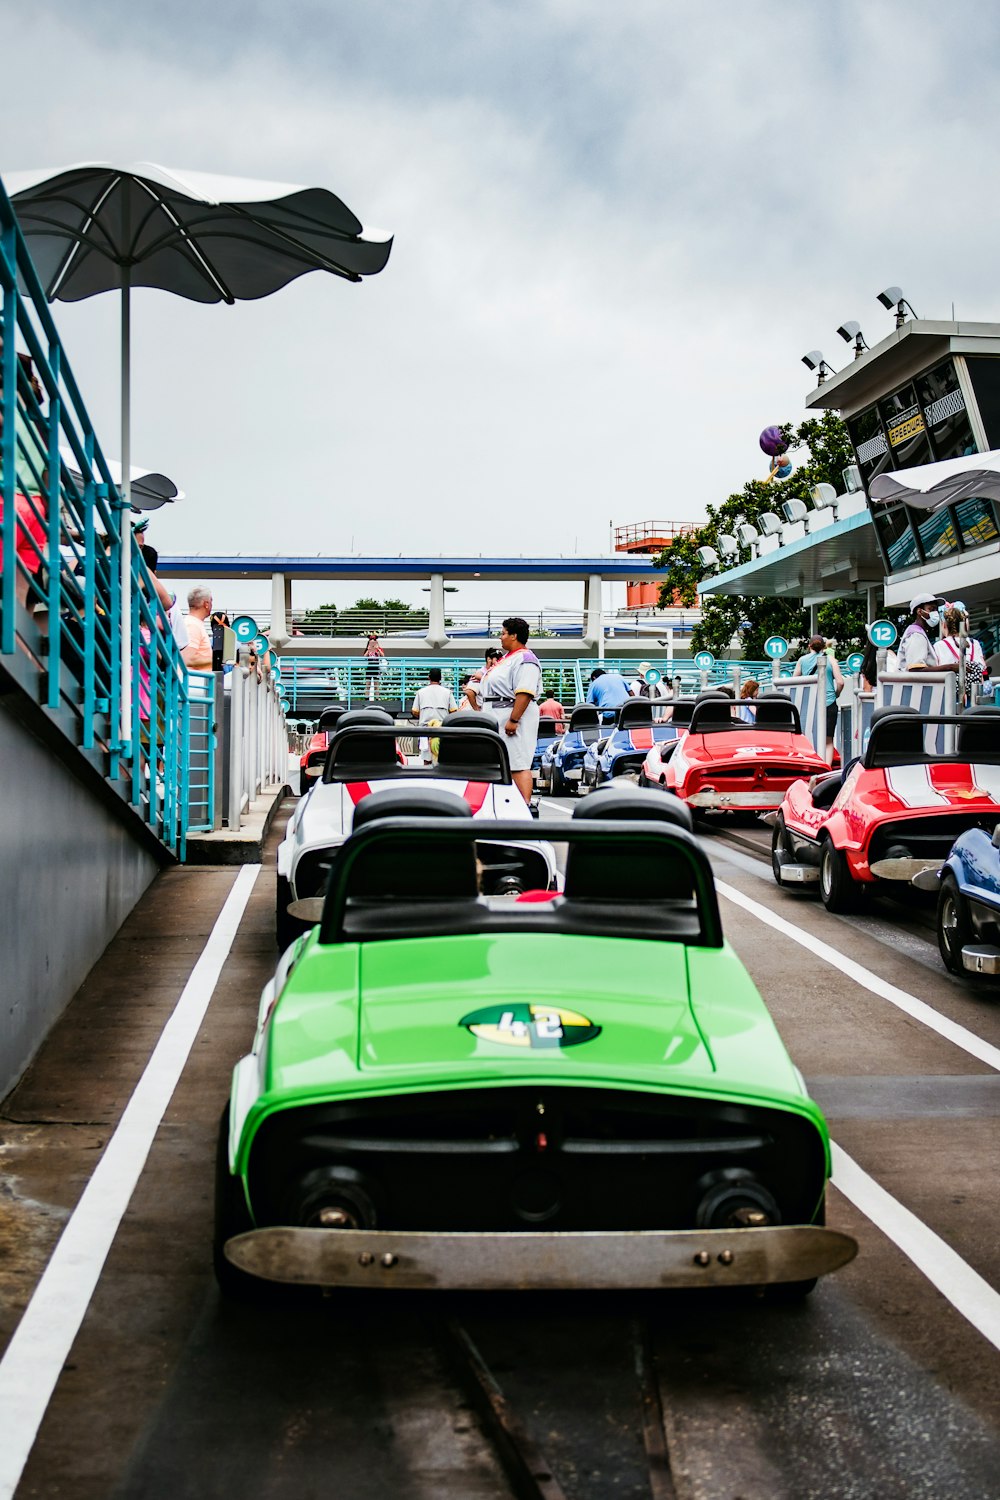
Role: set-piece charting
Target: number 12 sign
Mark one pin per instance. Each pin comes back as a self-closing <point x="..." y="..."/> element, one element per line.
<point x="882" y="633"/>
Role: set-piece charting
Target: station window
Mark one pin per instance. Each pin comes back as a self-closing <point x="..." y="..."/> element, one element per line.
<point x="905" y="428"/>
<point x="871" y="447"/>
<point x="944" y="410"/>
<point x="984" y="371"/>
<point x="896" y="538"/>
<point x="938" y="533"/>
<point x="977" y="522"/>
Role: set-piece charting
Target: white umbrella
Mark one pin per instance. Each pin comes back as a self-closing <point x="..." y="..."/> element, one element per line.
<point x="149" y="488"/>
<point x="929" y="486"/>
<point x="97" y="227"/>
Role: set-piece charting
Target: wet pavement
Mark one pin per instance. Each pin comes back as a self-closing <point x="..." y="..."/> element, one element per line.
<point x="876" y="1386"/>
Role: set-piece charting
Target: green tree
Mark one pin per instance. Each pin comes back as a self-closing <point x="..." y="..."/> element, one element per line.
<point x="749" y="619"/>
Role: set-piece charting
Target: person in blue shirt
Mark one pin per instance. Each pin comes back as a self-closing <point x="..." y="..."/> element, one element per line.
<point x="608" y="690"/>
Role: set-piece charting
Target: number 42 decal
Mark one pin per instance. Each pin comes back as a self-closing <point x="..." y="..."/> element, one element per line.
<point x="530" y="1026"/>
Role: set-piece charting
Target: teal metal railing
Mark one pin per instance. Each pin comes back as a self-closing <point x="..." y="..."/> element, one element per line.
<point x="62" y="527"/>
<point x="310" y="682"/>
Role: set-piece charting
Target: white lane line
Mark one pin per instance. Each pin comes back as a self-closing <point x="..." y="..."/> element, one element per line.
<point x="951" y="1031"/>
<point x="963" y="1287"/>
<point x="42" y="1341"/>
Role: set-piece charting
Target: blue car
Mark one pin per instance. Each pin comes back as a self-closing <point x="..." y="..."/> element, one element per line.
<point x="968" y="908"/>
<point x="622" y="751"/>
<point x="549" y="730"/>
<point x="561" y="770"/>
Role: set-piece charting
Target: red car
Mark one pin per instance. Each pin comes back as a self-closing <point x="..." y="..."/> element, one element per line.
<point x="735" y="757"/>
<point x="312" y="762"/>
<point x="896" y="811"/>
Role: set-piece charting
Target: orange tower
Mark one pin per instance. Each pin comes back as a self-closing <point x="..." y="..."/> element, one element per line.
<point x="648" y="538"/>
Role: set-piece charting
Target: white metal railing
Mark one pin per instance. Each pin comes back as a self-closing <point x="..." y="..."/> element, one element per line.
<point x="255" y="739"/>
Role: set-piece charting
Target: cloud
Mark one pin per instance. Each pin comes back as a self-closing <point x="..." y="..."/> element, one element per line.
<point x="617" y="229"/>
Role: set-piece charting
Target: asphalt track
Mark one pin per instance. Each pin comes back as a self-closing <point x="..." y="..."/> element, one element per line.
<point x="885" y="1383"/>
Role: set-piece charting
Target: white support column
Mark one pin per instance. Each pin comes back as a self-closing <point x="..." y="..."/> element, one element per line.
<point x="437" y="636"/>
<point x="593" y="625"/>
<point x="280" y="593"/>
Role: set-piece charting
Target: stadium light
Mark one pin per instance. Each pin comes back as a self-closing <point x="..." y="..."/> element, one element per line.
<point x="814" y="361"/>
<point x="892" y="299"/>
<point x="851" y="333"/>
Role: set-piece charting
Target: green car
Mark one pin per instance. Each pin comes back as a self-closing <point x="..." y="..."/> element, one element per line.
<point x="567" y="1089"/>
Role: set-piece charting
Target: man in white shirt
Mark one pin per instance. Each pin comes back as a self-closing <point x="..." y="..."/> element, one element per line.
<point x="434" y="702"/>
<point x="431" y="705"/>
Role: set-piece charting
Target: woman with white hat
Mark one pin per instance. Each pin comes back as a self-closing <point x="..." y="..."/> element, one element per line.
<point x="916" y="649"/>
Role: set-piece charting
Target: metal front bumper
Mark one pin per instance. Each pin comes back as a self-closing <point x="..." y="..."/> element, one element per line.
<point x="981" y="958"/>
<point x="575" y="773"/>
<point x="769" y="800"/>
<point x="902" y="869"/>
<point x="529" y="1261"/>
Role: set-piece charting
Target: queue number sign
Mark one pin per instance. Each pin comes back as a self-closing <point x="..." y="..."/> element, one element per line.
<point x="704" y="661"/>
<point x="853" y="662"/>
<point x="882" y="634"/>
<point x="775" y="647"/>
<point x="244" y="629"/>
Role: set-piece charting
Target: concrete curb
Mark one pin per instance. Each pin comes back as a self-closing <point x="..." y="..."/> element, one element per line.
<point x="245" y="847"/>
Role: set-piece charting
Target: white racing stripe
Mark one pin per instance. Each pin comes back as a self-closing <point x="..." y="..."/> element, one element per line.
<point x="42" y="1341"/>
<point x="913" y="786"/>
<point x="951" y="1031"/>
<point x="963" y="1287"/>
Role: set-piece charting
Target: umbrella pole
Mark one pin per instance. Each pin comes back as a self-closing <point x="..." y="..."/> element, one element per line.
<point x="125" y="614"/>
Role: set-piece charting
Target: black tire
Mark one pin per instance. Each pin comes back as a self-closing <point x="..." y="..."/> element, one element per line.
<point x="286" y="929"/>
<point x="304" y="783"/>
<point x="232" y="1217"/>
<point x="954" y="928"/>
<point x="838" y="892"/>
<point x="778" y="846"/>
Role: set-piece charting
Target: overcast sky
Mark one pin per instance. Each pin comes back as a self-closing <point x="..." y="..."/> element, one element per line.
<point x="619" y="224"/>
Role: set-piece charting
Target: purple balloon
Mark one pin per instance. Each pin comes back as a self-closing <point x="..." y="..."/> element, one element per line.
<point x="773" y="441"/>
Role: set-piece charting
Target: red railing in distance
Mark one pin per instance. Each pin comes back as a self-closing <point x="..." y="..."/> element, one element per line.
<point x="650" y="536"/>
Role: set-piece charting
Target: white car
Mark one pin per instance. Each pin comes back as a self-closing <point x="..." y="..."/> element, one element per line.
<point x="364" y="759"/>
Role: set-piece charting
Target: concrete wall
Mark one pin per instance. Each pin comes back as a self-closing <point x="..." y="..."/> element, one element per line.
<point x="70" y="872"/>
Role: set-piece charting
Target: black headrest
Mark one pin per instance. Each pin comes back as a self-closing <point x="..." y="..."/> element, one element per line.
<point x="632" y="802"/>
<point x="710" y="693"/>
<point x="370" y="715"/>
<point x="888" y="710"/>
<point x="585" y="716"/>
<point x="683" y="708"/>
<point x="369" y="753"/>
<point x="471" y="753"/>
<point x="428" y="870"/>
<point x="896" y="738"/>
<point x="331" y="716"/>
<point x="714" y="715"/>
<point x="776" y="712"/>
<point x="392" y="708"/>
<point x="548" y="729"/>
<point x="635" y="711"/>
<point x="979" y="733"/>
<point x="472" y="718"/>
<point x="407" y="802"/>
<point x="631" y="870"/>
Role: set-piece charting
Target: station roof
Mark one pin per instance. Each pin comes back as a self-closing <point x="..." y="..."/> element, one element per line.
<point x="619" y="565"/>
<point x="908" y="349"/>
<point x="838" y="558"/>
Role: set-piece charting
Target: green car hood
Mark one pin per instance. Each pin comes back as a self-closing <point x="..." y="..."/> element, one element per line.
<point x="455" y="1012"/>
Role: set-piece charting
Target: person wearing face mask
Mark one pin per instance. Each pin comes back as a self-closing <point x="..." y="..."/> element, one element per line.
<point x="916" y="649"/>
